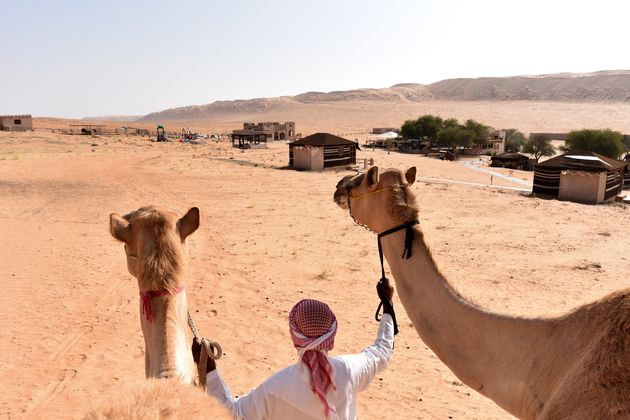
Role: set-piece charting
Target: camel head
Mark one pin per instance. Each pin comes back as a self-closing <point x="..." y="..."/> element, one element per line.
<point x="155" y="244"/>
<point x="378" y="200"/>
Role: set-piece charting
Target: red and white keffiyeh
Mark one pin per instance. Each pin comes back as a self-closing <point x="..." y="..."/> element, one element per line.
<point x="313" y="327"/>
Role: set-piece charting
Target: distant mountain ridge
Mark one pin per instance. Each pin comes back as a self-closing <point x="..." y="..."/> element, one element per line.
<point x="601" y="86"/>
<point x="119" y="118"/>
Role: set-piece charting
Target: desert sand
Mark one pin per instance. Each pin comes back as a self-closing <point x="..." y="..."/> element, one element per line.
<point x="269" y="236"/>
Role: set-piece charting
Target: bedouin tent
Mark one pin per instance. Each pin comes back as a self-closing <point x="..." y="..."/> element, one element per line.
<point x="580" y="176"/>
<point x="322" y="150"/>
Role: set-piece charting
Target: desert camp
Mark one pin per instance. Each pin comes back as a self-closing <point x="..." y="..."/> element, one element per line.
<point x="332" y="210"/>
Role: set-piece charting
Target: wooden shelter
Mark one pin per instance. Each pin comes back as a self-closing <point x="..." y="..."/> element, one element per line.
<point x="135" y="131"/>
<point x="87" y="129"/>
<point x="580" y="176"/>
<point x="322" y="150"/>
<point x="251" y="139"/>
<point x="509" y="160"/>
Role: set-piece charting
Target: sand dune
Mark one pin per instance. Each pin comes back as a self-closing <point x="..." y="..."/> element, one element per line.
<point x="605" y="86"/>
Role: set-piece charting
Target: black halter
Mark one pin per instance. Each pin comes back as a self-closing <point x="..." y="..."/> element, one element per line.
<point x="384" y="281"/>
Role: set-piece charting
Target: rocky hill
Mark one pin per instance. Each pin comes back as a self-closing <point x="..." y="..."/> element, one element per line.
<point x="604" y="86"/>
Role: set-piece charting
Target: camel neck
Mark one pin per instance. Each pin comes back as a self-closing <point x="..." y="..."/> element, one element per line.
<point x="166" y="340"/>
<point x="491" y="353"/>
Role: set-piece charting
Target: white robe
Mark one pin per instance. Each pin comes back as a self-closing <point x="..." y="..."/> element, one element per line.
<point x="287" y="394"/>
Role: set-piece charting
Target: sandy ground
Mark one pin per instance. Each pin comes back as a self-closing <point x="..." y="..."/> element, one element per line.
<point x="269" y="236"/>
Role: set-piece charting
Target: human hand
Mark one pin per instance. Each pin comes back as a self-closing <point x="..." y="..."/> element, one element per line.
<point x="385" y="290"/>
<point x="196" y="353"/>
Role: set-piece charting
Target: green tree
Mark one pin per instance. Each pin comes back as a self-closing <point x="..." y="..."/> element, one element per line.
<point x="514" y="140"/>
<point x="426" y="126"/>
<point x="456" y="137"/>
<point x="429" y="126"/>
<point x="626" y="145"/>
<point x="539" y="145"/>
<point x="447" y="136"/>
<point x="605" y="142"/>
<point x="409" y="130"/>
<point x="450" y="123"/>
<point x="480" y="132"/>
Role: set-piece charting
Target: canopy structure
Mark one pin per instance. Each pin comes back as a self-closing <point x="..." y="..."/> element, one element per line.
<point x="510" y="160"/>
<point x="385" y="136"/>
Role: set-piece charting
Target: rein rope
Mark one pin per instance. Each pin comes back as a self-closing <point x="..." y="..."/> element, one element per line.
<point x="384" y="281"/>
<point x="382" y="284"/>
<point x="212" y="348"/>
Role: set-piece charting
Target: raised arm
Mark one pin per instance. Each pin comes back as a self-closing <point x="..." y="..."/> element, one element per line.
<point x="249" y="406"/>
<point x="365" y="365"/>
<point x="372" y="360"/>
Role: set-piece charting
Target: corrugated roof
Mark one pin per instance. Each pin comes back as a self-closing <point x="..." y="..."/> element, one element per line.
<point x="322" y="139"/>
<point x="584" y="160"/>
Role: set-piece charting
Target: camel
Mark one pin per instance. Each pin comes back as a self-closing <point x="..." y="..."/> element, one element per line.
<point x="155" y="248"/>
<point x="573" y="366"/>
<point x="157" y="399"/>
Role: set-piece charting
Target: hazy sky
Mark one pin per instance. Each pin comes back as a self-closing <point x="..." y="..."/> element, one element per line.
<point x="92" y="58"/>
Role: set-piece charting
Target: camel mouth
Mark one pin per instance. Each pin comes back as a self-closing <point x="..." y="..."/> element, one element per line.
<point x="341" y="199"/>
<point x="343" y="187"/>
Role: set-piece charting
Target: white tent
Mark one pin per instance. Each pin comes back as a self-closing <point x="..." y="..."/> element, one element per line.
<point x="385" y="136"/>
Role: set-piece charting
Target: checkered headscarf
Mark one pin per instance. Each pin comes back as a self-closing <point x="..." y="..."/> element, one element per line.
<point x="313" y="327"/>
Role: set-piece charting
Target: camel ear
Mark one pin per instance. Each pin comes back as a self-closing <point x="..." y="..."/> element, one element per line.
<point x="410" y="175"/>
<point x="119" y="228"/>
<point x="189" y="223"/>
<point x="372" y="176"/>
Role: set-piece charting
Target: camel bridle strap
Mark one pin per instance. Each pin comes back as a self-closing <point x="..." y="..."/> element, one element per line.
<point x="356" y="197"/>
<point x="147" y="307"/>
<point x="382" y="284"/>
<point x="385" y="303"/>
<point x="391" y="187"/>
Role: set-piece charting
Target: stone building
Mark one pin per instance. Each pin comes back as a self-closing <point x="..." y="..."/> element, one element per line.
<point x="16" y="122"/>
<point x="281" y="131"/>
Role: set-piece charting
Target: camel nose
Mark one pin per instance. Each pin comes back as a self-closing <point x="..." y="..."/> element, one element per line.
<point x="340" y="199"/>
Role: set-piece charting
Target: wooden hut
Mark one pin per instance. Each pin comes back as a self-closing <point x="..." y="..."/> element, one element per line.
<point x="509" y="160"/>
<point x="580" y="176"/>
<point x="322" y="150"/>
